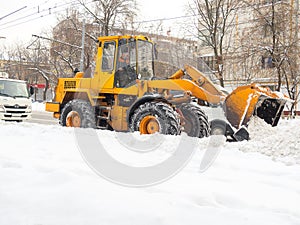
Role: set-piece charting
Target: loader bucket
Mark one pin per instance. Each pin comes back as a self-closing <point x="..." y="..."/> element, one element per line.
<point x="270" y="109"/>
<point x="246" y="101"/>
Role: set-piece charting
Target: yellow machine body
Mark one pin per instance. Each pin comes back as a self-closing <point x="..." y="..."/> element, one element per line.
<point x="115" y="103"/>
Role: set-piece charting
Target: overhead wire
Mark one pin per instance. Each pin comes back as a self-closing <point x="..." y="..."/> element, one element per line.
<point x="61" y="7"/>
<point x="35" y="13"/>
<point x="38" y="14"/>
<point x="29" y="20"/>
<point x="163" y="19"/>
<point x="49" y="11"/>
<point x="30" y="9"/>
<point x="9" y="14"/>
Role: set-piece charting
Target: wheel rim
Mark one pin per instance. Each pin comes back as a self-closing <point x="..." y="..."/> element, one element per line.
<point x="73" y="119"/>
<point x="217" y="130"/>
<point x="149" y="125"/>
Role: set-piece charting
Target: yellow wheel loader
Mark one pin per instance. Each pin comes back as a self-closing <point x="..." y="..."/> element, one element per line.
<point x="122" y="93"/>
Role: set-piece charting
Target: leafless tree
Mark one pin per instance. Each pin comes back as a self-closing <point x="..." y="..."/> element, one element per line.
<point x="66" y="56"/>
<point x="28" y="62"/>
<point x="107" y="13"/>
<point x="214" y="19"/>
<point x="15" y="60"/>
<point x="39" y="66"/>
<point x="66" y="44"/>
<point x="274" y="43"/>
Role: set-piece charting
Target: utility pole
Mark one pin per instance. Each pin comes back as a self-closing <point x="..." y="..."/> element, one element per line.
<point x="297" y="21"/>
<point x="296" y="39"/>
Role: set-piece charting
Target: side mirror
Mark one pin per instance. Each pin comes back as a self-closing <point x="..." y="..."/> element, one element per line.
<point x="76" y="71"/>
<point x="31" y="90"/>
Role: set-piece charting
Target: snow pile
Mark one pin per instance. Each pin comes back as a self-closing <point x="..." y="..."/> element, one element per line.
<point x="280" y="143"/>
<point x="44" y="180"/>
<point x="38" y="106"/>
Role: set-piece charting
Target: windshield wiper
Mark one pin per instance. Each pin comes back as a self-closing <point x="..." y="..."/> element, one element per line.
<point x="4" y="94"/>
<point x="20" y="96"/>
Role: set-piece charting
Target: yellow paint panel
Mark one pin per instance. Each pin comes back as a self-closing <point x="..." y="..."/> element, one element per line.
<point x="52" y="106"/>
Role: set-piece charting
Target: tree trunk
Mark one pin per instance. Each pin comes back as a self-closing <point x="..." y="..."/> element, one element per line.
<point x="279" y="79"/>
<point x="219" y="65"/>
<point x="45" y="90"/>
<point x="221" y="80"/>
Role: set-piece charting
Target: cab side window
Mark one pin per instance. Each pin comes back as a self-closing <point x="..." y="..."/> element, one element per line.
<point x="108" y="56"/>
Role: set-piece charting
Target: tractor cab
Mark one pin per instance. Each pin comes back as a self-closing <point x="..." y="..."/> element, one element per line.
<point x="125" y="60"/>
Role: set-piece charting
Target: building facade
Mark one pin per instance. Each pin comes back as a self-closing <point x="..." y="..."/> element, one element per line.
<point x="260" y="42"/>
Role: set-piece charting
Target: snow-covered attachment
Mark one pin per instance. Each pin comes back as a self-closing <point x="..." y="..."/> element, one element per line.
<point x="253" y="100"/>
<point x="238" y="106"/>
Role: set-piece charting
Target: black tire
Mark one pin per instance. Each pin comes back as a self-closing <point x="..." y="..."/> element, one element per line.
<point x="220" y="127"/>
<point x="85" y="111"/>
<point x="164" y="114"/>
<point x="195" y="121"/>
<point x="217" y="128"/>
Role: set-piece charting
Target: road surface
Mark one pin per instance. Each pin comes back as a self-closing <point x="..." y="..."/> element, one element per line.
<point x="42" y="117"/>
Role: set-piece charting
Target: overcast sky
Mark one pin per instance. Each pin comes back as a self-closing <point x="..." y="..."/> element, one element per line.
<point x="15" y="29"/>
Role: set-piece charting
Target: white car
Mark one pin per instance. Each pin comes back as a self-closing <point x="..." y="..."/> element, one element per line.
<point x="15" y="104"/>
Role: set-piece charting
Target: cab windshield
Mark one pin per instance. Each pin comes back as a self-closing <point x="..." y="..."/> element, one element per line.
<point x="13" y="89"/>
<point x="145" y="60"/>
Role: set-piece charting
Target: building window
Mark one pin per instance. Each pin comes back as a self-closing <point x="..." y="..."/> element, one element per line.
<point x="268" y="2"/>
<point x="210" y="61"/>
<point x="267" y="62"/>
<point x="267" y="31"/>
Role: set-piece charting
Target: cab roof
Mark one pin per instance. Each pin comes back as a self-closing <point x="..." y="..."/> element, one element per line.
<point x="118" y="37"/>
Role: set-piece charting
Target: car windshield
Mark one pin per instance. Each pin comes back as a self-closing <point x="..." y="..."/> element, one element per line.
<point x="13" y="88"/>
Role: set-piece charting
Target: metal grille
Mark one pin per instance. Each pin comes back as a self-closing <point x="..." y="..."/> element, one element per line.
<point x="17" y="111"/>
<point x="11" y="116"/>
<point x="69" y="84"/>
<point x="15" y="107"/>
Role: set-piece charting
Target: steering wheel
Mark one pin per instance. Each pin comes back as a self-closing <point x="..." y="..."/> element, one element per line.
<point x="131" y="72"/>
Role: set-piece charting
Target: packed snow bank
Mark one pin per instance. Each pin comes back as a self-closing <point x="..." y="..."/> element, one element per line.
<point x="280" y="143"/>
<point x="44" y="180"/>
<point x="38" y="106"/>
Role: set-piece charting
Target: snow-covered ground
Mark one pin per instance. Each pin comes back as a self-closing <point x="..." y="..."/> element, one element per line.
<point x="38" y="106"/>
<point x="45" y="181"/>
